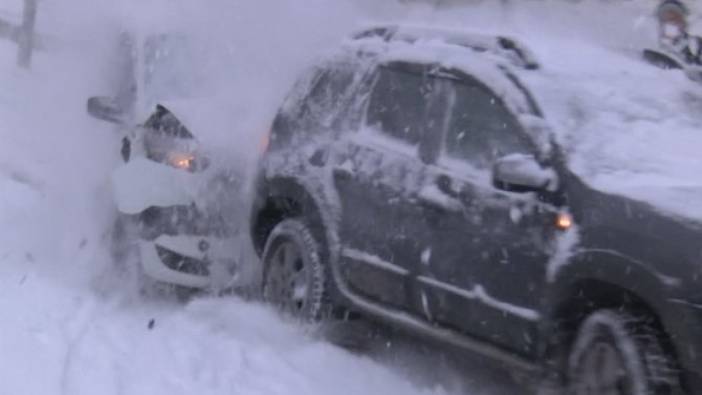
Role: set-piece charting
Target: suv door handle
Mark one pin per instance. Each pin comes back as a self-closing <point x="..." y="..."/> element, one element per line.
<point x="443" y="182"/>
<point x="318" y="158"/>
<point x="343" y="172"/>
<point x="439" y="195"/>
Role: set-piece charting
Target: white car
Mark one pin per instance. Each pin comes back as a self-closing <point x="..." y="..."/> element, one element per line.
<point x="178" y="199"/>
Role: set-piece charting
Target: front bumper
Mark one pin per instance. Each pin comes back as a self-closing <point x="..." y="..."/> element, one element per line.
<point x="179" y="242"/>
<point x="191" y="261"/>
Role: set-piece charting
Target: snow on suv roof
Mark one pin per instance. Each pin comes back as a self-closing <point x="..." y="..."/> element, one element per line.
<point x="480" y="55"/>
<point x="503" y="46"/>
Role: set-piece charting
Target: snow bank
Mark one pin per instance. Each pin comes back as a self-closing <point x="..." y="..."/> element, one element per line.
<point x="52" y="167"/>
<point x="62" y="340"/>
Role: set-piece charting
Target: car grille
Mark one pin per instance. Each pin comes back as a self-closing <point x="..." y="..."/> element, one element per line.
<point x="183" y="264"/>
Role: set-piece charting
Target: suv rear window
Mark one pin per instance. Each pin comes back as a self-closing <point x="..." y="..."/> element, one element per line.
<point x="315" y="104"/>
<point x="321" y="107"/>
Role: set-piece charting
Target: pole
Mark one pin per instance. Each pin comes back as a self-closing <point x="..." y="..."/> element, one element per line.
<point x="26" y="36"/>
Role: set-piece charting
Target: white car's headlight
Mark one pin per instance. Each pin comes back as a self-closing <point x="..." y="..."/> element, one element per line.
<point x="181" y="160"/>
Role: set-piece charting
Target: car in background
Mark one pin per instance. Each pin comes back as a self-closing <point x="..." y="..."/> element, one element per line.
<point x="413" y="177"/>
<point x="175" y="206"/>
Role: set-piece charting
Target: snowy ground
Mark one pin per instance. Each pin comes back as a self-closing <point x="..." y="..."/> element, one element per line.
<point x="71" y="325"/>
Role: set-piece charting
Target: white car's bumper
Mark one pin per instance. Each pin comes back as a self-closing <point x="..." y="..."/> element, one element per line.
<point x="179" y="243"/>
<point x="191" y="261"/>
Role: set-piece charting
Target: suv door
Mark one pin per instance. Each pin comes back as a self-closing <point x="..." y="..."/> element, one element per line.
<point x="381" y="225"/>
<point x="489" y="248"/>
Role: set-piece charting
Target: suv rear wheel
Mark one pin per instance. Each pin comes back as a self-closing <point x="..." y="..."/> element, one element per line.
<point x="615" y="353"/>
<point x="294" y="277"/>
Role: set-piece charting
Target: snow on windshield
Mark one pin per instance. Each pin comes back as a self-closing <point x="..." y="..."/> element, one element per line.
<point x="174" y="67"/>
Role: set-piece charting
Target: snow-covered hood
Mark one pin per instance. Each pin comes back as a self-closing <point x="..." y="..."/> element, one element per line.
<point x="227" y="131"/>
<point x="211" y="120"/>
<point x="628" y="128"/>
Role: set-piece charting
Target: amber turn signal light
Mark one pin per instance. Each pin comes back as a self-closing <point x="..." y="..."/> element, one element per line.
<point x="564" y="221"/>
<point x="181" y="160"/>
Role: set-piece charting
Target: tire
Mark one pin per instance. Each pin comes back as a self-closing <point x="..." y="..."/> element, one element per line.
<point x="615" y="353"/>
<point x="295" y="279"/>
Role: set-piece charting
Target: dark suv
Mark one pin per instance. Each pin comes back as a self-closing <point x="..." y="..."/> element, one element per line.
<point x="411" y="177"/>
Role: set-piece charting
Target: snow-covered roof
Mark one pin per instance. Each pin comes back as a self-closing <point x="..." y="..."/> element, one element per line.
<point x="439" y="47"/>
<point x="502" y="46"/>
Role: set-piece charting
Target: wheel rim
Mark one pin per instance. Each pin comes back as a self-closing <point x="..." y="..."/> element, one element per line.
<point x="601" y="371"/>
<point x="287" y="281"/>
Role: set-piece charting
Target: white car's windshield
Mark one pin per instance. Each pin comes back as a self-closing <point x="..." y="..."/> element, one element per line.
<point x="173" y="67"/>
<point x="162" y="67"/>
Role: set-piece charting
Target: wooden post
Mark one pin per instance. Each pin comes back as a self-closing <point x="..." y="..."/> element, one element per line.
<point x="26" y="34"/>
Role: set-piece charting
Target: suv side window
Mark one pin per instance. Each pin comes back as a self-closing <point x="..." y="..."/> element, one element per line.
<point x="481" y="128"/>
<point x="398" y="104"/>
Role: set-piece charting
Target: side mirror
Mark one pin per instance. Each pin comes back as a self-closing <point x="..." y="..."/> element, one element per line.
<point x="522" y="173"/>
<point x="106" y="109"/>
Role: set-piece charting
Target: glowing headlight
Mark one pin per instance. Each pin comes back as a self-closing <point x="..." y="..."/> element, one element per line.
<point x="181" y="160"/>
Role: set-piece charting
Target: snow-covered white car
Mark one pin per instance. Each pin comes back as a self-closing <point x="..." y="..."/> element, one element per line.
<point x="171" y="192"/>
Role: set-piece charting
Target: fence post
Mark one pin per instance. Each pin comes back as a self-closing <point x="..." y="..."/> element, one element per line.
<point x="26" y="33"/>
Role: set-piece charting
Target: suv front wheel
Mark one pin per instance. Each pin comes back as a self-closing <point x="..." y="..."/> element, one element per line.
<point x="294" y="277"/>
<point x="615" y="353"/>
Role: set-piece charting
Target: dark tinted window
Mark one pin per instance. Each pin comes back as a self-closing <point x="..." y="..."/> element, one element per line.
<point x="398" y="104"/>
<point x="481" y="128"/>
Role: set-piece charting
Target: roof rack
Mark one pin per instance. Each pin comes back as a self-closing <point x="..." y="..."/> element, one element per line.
<point x="502" y="46"/>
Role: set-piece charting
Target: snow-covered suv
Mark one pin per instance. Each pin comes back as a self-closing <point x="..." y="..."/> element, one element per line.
<point x="413" y="177"/>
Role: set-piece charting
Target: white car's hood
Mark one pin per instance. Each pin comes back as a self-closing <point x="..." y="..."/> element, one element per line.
<point x="224" y="128"/>
<point x="211" y="120"/>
